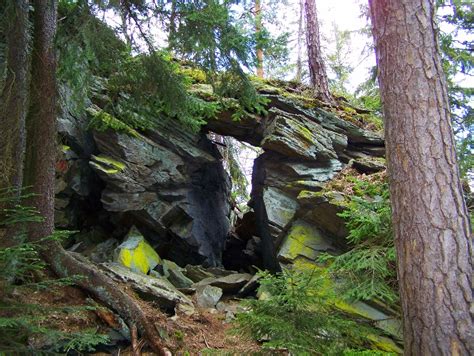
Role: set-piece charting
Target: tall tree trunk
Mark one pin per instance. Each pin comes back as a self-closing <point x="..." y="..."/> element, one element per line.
<point x="14" y="97"/>
<point x="299" y="61"/>
<point x="432" y="236"/>
<point x="317" y="69"/>
<point x="40" y="174"/>
<point x="258" y="30"/>
<point x="41" y="121"/>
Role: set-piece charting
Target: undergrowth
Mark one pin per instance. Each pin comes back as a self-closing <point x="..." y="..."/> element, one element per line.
<point x="21" y="272"/>
<point x="367" y="271"/>
<point x="296" y="312"/>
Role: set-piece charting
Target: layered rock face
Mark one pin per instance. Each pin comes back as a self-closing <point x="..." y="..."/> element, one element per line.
<point x="169" y="183"/>
<point x="172" y="186"/>
<point x="304" y="148"/>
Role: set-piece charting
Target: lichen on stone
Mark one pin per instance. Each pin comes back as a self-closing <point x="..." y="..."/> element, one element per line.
<point x="107" y="164"/>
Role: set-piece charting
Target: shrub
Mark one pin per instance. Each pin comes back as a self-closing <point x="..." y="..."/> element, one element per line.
<point x="368" y="270"/>
<point x="296" y="312"/>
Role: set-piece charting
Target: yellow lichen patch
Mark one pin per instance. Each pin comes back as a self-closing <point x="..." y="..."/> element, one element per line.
<point x="136" y="254"/>
<point x="110" y="162"/>
<point x="303" y="240"/>
<point x="385" y="344"/>
<point x="107" y="165"/>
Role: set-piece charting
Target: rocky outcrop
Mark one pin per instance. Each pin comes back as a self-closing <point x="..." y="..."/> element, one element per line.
<point x="305" y="146"/>
<point x="167" y="182"/>
<point x="172" y="186"/>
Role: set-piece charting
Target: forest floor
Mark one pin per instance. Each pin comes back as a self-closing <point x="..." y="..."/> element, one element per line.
<point x="205" y="332"/>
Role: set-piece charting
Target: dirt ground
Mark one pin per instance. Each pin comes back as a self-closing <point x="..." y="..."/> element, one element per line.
<point x="203" y="333"/>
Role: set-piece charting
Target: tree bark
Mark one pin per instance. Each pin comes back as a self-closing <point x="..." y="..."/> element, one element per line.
<point x="432" y="233"/>
<point x="258" y="30"/>
<point x="40" y="174"/>
<point x="317" y="69"/>
<point x="14" y="97"/>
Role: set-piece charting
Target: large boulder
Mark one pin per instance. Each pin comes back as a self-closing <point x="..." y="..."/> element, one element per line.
<point x="136" y="254"/>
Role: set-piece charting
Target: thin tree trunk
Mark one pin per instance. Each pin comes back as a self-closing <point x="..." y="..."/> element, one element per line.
<point x="14" y="97"/>
<point x="124" y="18"/>
<point x="317" y="69"/>
<point x="258" y="30"/>
<point x="432" y="237"/>
<point x="267" y="245"/>
<point x="299" y="61"/>
<point x="40" y="174"/>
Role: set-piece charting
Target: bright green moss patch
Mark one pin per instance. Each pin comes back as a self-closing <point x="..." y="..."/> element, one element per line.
<point x="195" y="75"/>
<point x="102" y="121"/>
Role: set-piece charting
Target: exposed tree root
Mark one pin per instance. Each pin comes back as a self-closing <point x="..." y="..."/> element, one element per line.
<point x="106" y="290"/>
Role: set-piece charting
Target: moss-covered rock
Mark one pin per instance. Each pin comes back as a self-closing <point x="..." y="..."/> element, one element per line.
<point x="136" y="254"/>
<point x="304" y="240"/>
<point x="107" y="165"/>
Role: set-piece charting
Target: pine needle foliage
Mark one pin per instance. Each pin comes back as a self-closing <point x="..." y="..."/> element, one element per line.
<point x="298" y="314"/>
<point x="136" y="89"/>
<point x="368" y="270"/>
<point x="457" y="44"/>
<point x="20" y="265"/>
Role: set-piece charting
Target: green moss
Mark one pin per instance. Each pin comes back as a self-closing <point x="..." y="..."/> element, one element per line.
<point x="304" y="132"/>
<point x="385" y="344"/>
<point x="102" y="121"/>
<point x="306" y="102"/>
<point x="307" y="194"/>
<point x="302" y="240"/>
<point x="204" y="91"/>
<point x="195" y="75"/>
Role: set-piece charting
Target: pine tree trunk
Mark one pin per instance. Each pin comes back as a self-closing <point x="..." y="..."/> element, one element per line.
<point x="14" y="97"/>
<point x="432" y="237"/>
<point x="317" y="69"/>
<point x="41" y="120"/>
<point x="40" y="174"/>
<point x="258" y="30"/>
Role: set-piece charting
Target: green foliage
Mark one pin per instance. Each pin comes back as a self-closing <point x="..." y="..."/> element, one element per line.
<point x="338" y="60"/>
<point x="367" y="271"/>
<point x="298" y="314"/>
<point x="20" y="266"/>
<point x="87" y="49"/>
<point x="457" y="42"/>
<point x="229" y="85"/>
<point x="367" y="94"/>
<point x="102" y="121"/>
<point x="137" y="90"/>
<point x="151" y="87"/>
